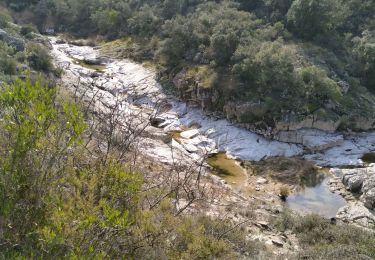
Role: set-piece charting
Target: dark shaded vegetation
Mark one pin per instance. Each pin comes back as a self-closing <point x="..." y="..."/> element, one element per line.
<point x="294" y="58"/>
<point x="22" y="50"/>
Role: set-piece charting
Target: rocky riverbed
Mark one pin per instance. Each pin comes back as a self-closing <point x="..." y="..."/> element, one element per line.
<point x="134" y="89"/>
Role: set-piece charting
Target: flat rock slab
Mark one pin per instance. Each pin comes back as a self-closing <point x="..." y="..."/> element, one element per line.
<point x="277" y="241"/>
<point x="261" y="181"/>
<point x="190" y="134"/>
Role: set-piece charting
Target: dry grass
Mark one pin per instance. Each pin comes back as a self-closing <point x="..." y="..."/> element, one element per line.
<point x="291" y="171"/>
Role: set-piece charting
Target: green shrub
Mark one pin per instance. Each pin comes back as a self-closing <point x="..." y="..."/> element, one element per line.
<point x="310" y="18"/>
<point x="27" y="30"/>
<point x="34" y="138"/>
<point x="60" y="200"/>
<point x="8" y="65"/>
<point x="39" y="58"/>
<point x="5" y="18"/>
<point x="319" y="86"/>
<point x="266" y="67"/>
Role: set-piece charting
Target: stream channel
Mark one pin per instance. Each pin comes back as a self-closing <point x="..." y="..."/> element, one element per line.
<point x="199" y="134"/>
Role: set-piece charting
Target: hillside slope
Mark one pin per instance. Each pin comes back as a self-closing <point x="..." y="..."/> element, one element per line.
<point x="269" y="64"/>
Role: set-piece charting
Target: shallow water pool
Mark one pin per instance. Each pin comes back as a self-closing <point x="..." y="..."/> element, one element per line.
<point x="316" y="198"/>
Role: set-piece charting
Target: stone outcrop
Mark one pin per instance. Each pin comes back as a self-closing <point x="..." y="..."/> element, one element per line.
<point x="368" y="190"/>
<point x="361" y="182"/>
<point x="353" y="182"/>
<point x="94" y="60"/>
<point x="312" y="139"/>
<point x="245" y="112"/>
<point x="190" y="134"/>
<point x="290" y="122"/>
<point x="191" y="90"/>
<point x="256" y="115"/>
<point x="362" y="123"/>
<point x="356" y="213"/>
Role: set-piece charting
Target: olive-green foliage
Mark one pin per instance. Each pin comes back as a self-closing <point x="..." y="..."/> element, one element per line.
<point x="15" y="60"/>
<point x="8" y="64"/>
<point x="35" y="138"/>
<point x="145" y="22"/>
<point x="19" y="5"/>
<point x="62" y="200"/>
<point x="106" y="20"/>
<point x="364" y="52"/>
<point x="27" y="30"/>
<point x="214" y="32"/>
<point x="321" y="239"/>
<point x="319" y="86"/>
<point x="211" y="32"/>
<point x="309" y="18"/>
<point x="39" y="58"/>
<point x="5" y="18"/>
<point x="268" y="65"/>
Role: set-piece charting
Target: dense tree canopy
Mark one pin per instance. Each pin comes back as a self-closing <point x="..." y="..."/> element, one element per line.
<point x="262" y="46"/>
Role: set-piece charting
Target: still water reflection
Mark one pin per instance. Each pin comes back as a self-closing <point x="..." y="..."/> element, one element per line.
<point x="316" y="197"/>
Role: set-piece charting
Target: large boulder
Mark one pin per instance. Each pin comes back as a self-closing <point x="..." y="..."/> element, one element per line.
<point x="361" y="181"/>
<point x="3" y="34"/>
<point x="362" y="123"/>
<point x="368" y="198"/>
<point x="93" y="60"/>
<point x="368" y="189"/>
<point x="353" y="182"/>
<point x="190" y="134"/>
<point x="356" y="213"/>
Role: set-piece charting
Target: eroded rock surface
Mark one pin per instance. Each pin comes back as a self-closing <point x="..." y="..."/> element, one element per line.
<point x="356" y="213"/>
<point x="142" y="97"/>
<point x="141" y="92"/>
<point x="361" y="182"/>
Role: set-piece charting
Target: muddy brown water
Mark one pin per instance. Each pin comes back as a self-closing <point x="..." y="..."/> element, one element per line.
<point x="313" y="195"/>
<point x="228" y="169"/>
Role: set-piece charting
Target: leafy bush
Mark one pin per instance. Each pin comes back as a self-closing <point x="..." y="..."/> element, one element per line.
<point x="319" y="86"/>
<point x="39" y="58"/>
<point x="5" y="18"/>
<point x="107" y="21"/>
<point x="310" y="18"/>
<point x="8" y="65"/>
<point x="268" y="67"/>
<point x="34" y="140"/>
<point x="28" y="29"/>
<point x="364" y="54"/>
<point x="60" y="200"/>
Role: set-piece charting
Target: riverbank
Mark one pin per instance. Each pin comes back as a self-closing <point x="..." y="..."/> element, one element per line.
<point x="177" y="133"/>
